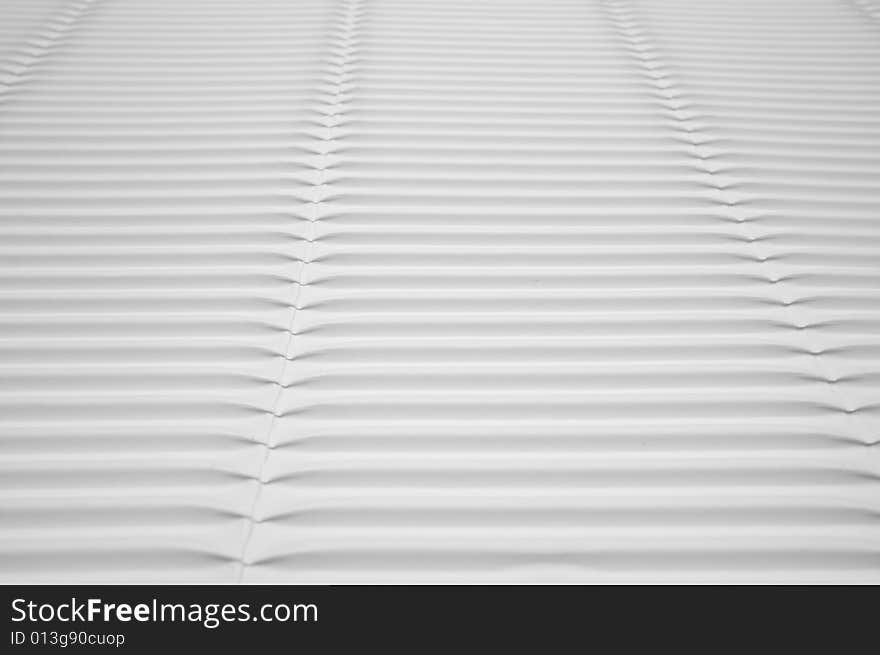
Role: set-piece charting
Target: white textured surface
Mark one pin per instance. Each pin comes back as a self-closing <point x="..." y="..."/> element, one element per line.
<point x="555" y="291"/>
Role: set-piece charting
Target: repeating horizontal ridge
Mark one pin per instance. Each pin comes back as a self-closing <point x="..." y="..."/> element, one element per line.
<point x="395" y="290"/>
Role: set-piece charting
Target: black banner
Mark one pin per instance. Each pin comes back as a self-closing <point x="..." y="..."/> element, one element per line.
<point x="415" y="618"/>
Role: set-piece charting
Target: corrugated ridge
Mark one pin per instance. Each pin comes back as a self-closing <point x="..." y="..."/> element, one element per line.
<point x="382" y="290"/>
